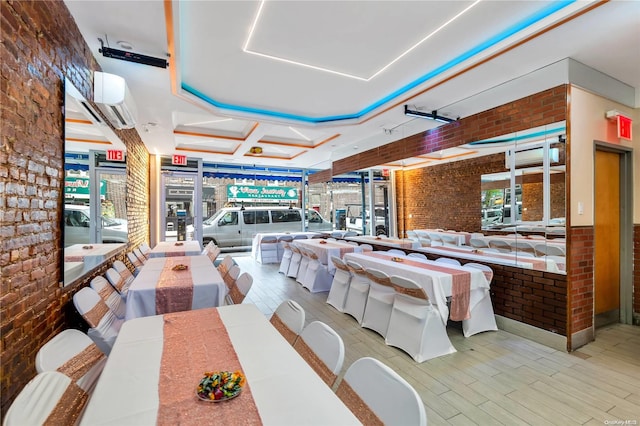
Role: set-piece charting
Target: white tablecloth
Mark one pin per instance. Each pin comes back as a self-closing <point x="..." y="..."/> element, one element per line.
<point x="328" y="249"/>
<point x="462" y="238"/>
<point x="490" y="257"/>
<point x="285" y="389"/>
<point x="209" y="290"/>
<point x="442" y="281"/>
<point x="385" y="241"/>
<point x="255" y="244"/>
<point x="169" y="248"/>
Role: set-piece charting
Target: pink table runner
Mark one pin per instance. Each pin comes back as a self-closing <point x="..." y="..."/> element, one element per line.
<point x="188" y="352"/>
<point x="174" y="291"/>
<point x="460" y="285"/>
<point x="537" y="264"/>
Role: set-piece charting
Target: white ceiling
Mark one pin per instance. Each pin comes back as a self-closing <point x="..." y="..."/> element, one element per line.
<point x="311" y="82"/>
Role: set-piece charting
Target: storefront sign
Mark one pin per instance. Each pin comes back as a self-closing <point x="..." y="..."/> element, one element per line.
<point x="78" y="187"/>
<point x="257" y="193"/>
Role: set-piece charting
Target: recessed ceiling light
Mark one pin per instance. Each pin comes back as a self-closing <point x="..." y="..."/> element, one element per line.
<point x="125" y="45"/>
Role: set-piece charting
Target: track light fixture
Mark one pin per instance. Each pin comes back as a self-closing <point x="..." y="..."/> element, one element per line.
<point x="433" y="115"/>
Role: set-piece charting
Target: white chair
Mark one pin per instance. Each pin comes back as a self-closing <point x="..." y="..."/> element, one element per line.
<point x="398" y="404"/>
<point x="396" y="252"/>
<point x="481" y="313"/>
<point x="358" y="291"/>
<point x="424" y="242"/>
<point x="448" y="261"/>
<point x="283" y="246"/>
<point x="415" y="325"/>
<point x="104" y="325"/>
<point x="240" y="289"/>
<point x="111" y="297"/>
<point x="74" y="354"/>
<point x="323" y="349"/>
<point x="294" y="265"/>
<point x="366" y="247"/>
<point x="523" y="247"/>
<point x="501" y="245"/>
<point x="135" y="262"/>
<point x="225" y="265"/>
<point x="549" y="250"/>
<point x="118" y="282"/>
<point x="449" y="240"/>
<point x="124" y="272"/>
<point x="560" y="262"/>
<point x="304" y="263"/>
<point x="380" y="298"/>
<point x="231" y="276"/>
<point x="340" y="284"/>
<point x="317" y="277"/>
<point x="285" y="261"/>
<point x="353" y="243"/>
<point x="212" y="251"/>
<point x="436" y="240"/>
<point x="140" y="256"/>
<point x="478" y="243"/>
<point x="349" y="234"/>
<point x="269" y="249"/>
<point x="418" y="256"/>
<point x="49" y="398"/>
<point x="412" y="235"/>
<point x="288" y="319"/>
<point x="145" y="249"/>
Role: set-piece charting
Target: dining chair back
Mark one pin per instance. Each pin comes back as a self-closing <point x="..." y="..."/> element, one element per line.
<point x="109" y="295"/>
<point x="486" y="269"/>
<point x="399" y="404"/>
<point x="380" y="298"/>
<point x="366" y="247"/>
<point x="49" y="398"/>
<point x="103" y="324"/>
<point x="481" y="313"/>
<point x="124" y="272"/>
<point x="283" y="247"/>
<point x="478" y="243"/>
<point x="225" y="265"/>
<point x="424" y="241"/>
<point x="288" y="319"/>
<point x="449" y="240"/>
<point x="304" y="263"/>
<point x="231" y="276"/>
<point x="135" y="262"/>
<point x="500" y="245"/>
<point x="118" y="282"/>
<point x="240" y="289"/>
<point x="415" y="325"/>
<point x="448" y="261"/>
<point x="339" y="285"/>
<point x="412" y="235"/>
<point x="396" y="252"/>
<point x="141" y="257"/>
<point x="353" y="243"/>
<point x="549" y="250"/>
<point x="74" y="354"/>
<point x="358" y="291"/>
<point x="436" y="240"/>
<point x="294" y="265"/>
<point x="323" y="349"/>
<point x="145" y="249"/>
<point x="523" y="247"/>
<point x="418" y="256"/>
<point x="317" y="277"/>
<point x="269" y="249"/>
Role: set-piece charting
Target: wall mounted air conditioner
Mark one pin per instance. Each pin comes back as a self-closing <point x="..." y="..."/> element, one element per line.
<point x="111" y="94"/>
<point x="531" y="156"/>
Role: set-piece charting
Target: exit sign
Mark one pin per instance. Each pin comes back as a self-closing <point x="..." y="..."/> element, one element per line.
<point x="624" y="127"/>
<point x="115" y="155"/>
<point x="179" y="160"/>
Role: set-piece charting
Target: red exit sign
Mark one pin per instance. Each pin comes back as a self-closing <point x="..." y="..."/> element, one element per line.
<point x="624" y="127"/>
<point x="179" y="160"/>
<point x="115" y="155"/>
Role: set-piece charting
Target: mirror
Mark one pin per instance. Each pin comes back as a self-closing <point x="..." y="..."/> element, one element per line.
<point x="95" y="187"/>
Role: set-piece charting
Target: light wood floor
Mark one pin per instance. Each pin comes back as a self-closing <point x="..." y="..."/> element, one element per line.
<point x="495" y="377"/>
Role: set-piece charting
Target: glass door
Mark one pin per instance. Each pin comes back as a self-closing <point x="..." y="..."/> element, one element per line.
<point x="181" y="206"/>
<point x="112" y="206"/>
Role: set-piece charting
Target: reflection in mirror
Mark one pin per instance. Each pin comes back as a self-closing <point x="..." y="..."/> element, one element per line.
<point x="95" y="187"/>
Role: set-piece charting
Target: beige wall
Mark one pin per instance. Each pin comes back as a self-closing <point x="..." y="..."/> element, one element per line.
<point x="588" y="124"/>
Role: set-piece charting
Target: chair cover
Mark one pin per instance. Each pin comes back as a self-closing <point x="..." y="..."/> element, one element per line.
<point x="339" y="285"/>
<point x="448" y="260"/>
<point x="231" y="276"/>
<point x="239" y="291"/>
<point x="424" y="242"/>
<point x="118" y="282"/>
<point x="285" y="260"/>
<point x="283" y="244"/>
<point x="139" y="255"/>
<point x="449" y="240"/>
<point x="523" y="247"/>
<point x="415" y="325"/>
<point x="135" y="262"/>
<point x="294" y="264"/>
<point x="544" y="249"/>
<point x="356" y="300"/>
<point x="110" y="296"/>
<point x="397" y="252"/>
<point x="323" y="349"/>
<point x="49" y="398"/>
<point x="481" y="310"/>
<point x="288" y="319"/>
<point x="412" y="235"/>
<point x="124" y="272"/>
<point x="417" y="256"/>
<point x="366" y="247"/>
<point x="501" y="245"/>
<point x="436" y="240"/>
<point x="225" y="265"/>
<point x="317" y="277"/>
<point x="269" y="249"/>
<point x="304" y="263"/>
<point x="145" y="249"/>
<point x="398" y="404"/>
<point x="478" y="243"/>
<point x="74" y="354"/>
<point x="104" y="325"/>
<point x="379" y="302"/>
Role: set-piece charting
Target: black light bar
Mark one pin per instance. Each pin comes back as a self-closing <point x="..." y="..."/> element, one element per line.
<point x="133" y="57"/>
<point x="433" y="115"/>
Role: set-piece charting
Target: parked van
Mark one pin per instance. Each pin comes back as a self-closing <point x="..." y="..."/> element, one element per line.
<point x="77" y="222"/>
<point x="233" y="226"/>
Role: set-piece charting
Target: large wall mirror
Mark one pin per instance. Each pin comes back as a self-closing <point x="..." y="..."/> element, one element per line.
<point x="95" y="216"/>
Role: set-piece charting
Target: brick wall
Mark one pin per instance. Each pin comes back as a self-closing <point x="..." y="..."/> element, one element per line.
<point x="580" y="274"/>
<point x="40" y="46"/>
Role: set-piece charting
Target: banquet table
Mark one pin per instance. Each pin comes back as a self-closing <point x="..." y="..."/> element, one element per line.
<point x="385" y="241"/>
<point x="325" y="249"/>
<point x="172" y="248"/>
<point x="417" y="269"/>
<point x="158" y="288"/>
<point x="139" y="386"/>
<point x="255" y="243"/>
<point x="510" y="239"/>
<point x="91" y="252"/>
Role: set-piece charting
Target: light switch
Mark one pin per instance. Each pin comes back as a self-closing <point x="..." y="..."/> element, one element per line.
<point x="580" y="207"/>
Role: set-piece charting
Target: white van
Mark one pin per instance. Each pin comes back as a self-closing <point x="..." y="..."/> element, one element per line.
<point x="77" y="222"/>
<point x="234" y="226"/>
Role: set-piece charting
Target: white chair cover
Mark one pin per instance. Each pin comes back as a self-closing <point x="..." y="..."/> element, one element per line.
<point x="418" y="256"/>
<point x="478" y="243"/>
<point x="285" y="261"/>
<point x="449" y="240"/>
<point x="448" y="260"/>
<point x="523" y="247"/>
<point x="294" y="265"/>
<point x="380" y="299"/>
<point x="49" y="398"/>
<point x="358" y="291"/>
<point x="415" y="325"/>
<point x="339" y="285"/>
<point x="135" y="262"/>
<point x="435" y="239"/>
<point x="119" y="283"/>
<point x="398" y="404"/>
<point x="283" y="241"/>
<point x="64" y="347"/>
<point x="501" y="245"/>
<point x="304" y="263"/>
<point x="288" y="319"/>
<point x="269" y="249"/>
<point x="424" y="242"/>
<point x="139" y="255"/>
<point x="326" y="347"/>
<point x="366" y="247"/>
<point x="397" y="252"/>
<point x="482" y="316"/>
<point x="145" y="249"/>
<point x="225" y="265"/>
<point x="239" y="290"/>
<point x="317" y="277"/>
<point x="110" y="296"/>
<point x="106" y="330"/>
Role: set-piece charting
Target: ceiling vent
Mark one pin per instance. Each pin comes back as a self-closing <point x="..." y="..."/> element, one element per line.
<point x="531" y="157"/>
<point x="111" y="94"/>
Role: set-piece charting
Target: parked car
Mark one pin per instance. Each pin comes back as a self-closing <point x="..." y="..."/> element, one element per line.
<point x="354" y="223"/>
<point x="236" y="226"/>
<point x="77" y="222"/>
